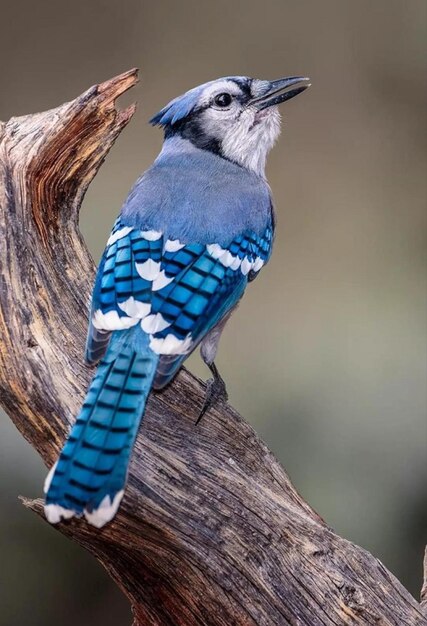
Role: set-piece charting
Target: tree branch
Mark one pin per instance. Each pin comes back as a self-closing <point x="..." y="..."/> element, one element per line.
<point x="423" y="594"/>
<point x="211" y="531"/>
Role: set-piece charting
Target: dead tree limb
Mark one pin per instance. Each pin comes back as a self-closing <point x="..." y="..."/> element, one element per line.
<point x="211" y="531"/>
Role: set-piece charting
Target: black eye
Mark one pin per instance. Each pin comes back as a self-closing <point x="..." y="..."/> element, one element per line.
<point x="223" y="100"/>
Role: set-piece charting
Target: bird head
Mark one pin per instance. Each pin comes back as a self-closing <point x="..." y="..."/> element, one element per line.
<point x="235" y="117"/>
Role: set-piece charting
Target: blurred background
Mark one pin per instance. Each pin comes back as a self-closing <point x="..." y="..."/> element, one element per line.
<point x="327" y="355"/>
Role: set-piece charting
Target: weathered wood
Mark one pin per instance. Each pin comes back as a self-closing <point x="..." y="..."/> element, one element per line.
<point x="423" y="594"/>
<point x="211" y="531"/>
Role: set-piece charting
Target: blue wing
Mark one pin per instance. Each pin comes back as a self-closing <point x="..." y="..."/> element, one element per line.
<point x="177" y="292"/>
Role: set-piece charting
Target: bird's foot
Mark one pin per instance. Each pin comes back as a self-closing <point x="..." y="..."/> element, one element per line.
<point x="216" y="391"/>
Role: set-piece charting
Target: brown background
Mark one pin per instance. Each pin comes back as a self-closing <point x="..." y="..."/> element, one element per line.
<point x="327" y="354"/>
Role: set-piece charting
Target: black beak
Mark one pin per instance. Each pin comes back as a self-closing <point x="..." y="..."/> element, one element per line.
<point x="279" y="91"/>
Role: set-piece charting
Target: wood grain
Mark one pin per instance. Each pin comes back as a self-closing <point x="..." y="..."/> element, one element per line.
<point x="211" y="531"/>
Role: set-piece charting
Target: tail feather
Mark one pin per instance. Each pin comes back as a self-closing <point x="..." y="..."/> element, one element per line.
<point x="90" y="474"/>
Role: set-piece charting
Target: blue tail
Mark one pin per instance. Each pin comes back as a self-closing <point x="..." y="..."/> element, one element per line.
<point x="90" y="475"/>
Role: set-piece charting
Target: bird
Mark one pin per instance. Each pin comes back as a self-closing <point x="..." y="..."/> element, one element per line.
<point x="196" y="228"/>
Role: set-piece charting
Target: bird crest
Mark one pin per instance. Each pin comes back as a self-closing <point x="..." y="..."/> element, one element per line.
<point x="178" y="108"/>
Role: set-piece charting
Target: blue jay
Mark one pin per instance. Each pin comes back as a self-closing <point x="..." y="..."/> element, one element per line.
<point x="196" y="228"/>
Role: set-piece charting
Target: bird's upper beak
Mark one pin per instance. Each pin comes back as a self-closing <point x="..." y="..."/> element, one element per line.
<point x="279" y="91"/>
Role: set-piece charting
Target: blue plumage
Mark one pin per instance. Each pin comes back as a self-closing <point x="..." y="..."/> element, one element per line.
<point x="195" y="229"/>
<point x="91" y="471"/>
<point x="196" y="196"/>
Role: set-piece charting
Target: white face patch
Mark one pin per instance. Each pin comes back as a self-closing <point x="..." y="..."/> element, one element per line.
<point x="246" y="138"/>
<point x="246" y="134"/>
<point x="250" y="140"/>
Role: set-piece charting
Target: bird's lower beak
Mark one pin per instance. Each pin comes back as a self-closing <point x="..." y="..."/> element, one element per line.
<point x="279" y="91"/>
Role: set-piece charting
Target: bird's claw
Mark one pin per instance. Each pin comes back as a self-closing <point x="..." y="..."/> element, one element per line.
<point x="216" y="391"/>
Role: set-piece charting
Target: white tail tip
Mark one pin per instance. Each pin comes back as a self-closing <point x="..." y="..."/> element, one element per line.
<point x="55" y="513"/>
<point x="105" y="511"/>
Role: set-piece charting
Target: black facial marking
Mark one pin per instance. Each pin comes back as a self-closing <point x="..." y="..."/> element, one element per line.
<point x="191" y="129"/>
<point x="245" y="87"/>
<point x="194" y="132"/>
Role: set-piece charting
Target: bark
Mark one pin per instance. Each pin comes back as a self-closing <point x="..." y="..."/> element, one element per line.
<point x="211" y="531"/>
